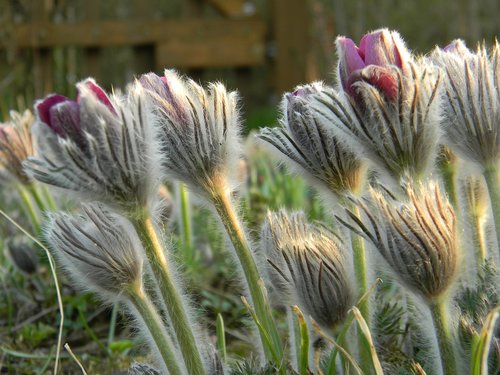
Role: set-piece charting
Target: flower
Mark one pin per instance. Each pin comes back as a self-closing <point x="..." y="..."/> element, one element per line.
<point x="471" y="101"/>
<point x="99" y="250"/>
<point x="417" y="238"/>
<point x="199" y="130"/>
<point x="16" y="144"/>
<point x="399" y="135"/>
<point x="371" y="62"/>
<point x="310" y="145"/>
<point x="102" y="148"/>
<point x="306" y="267"/>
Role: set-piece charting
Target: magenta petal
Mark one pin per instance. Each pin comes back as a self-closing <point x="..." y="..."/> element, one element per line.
<point x="374" y="47"/>
<point x="43" y="107"/>
<point x="351" y="55"/>
<point x="65" y="119"/>
<point x="99" y="93"/>
<point x="383" y="79"/>
<point x="155" y="83"/>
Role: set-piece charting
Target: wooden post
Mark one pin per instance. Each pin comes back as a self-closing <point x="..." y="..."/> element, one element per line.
<point x="295" y="62"/>
<point x="42" y="57"/>
<point x="92" y="55"/>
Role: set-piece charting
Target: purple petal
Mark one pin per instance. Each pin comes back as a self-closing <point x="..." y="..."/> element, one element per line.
<point x="99" y="93"/>
<point x="383" y="79"/>
<point x="65" y="119"/>
<point x="351" y="58"/>
<point x="43" y="107"/>
<point x="457" y="47"/>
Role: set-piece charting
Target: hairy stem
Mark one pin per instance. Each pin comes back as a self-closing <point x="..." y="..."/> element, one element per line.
<point x="155" y="326"/>
<point x="359" y="261"/>
<point x="445" y="338"/>
<point x="173" y="301"/>
<point x="185" y="218"/>
<point x="224" y="207"/>
<point x="29" y="208"/>
<point x="449" y="174"/>
<point x="491" y="176"/>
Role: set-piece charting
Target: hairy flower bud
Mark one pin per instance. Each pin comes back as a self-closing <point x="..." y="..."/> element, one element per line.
<point x="471" y="101"/>
<point x="16" y="144"/>
<point x="311" y="146"/>
<point x="371" y="62"/>
<point x="418" y="238"/>
<point x="23" y="256"/>
<point x="97" y="146"/>
<point x="99" y="250"/>
<point x="401" y="136"/>
<point x="306" y="267"/>
<point x="199" y="129"/>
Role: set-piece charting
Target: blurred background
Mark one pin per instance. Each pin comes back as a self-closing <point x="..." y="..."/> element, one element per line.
<point x="260" y="47"/>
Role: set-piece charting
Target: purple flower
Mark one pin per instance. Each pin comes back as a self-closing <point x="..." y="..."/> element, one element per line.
<point x="199" y="130"/>
<point x="62" y="115"/>
<point x="372" y="62"/>
<point x="101" y="147"/>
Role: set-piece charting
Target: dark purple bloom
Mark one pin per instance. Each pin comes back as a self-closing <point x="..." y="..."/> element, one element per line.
<point x="372" y="62"/>
<point x="62" y="115"/>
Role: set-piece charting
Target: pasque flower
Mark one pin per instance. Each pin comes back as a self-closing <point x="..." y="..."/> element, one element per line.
<point x="471" y="101"/>
<point x="306" y="266"/>
<point x="99" y="146"/>
<point x="371" y="61"/>
<point x="200" y="129"/>
<point x="311" y="145"/>
<point x="388" y="105"/>
<point x="16" y="144"/>
<point x="417" y="238"/>
<point x="101" y="251"/>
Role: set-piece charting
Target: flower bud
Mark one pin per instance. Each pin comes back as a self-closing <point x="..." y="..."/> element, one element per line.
<point x="199" y="130"/>
<point x="310" y="146"/>
<point x="99" y="250"/>
<point x="16" y="144"/>
<point x="306" y="267"/>
<point x="401" y="136"/>
<point x="471" y="101"/>
<point x="371" y="62"/>
<point x="100" y="147"/>
<point x="418" y="239"/>
<point x="23" y="257"/>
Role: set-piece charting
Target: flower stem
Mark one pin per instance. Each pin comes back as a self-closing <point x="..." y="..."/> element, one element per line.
<point x="155" y="326"/>
<point x="479" y="239"/>
<point x="359" y="260"/>
<point x="223" y="205"/>
<point x="173" y="301"/>
<point x="491" y="177"/>
<point x="29" y="208"/>
<point x="185" y="217"/>
<point x="449" y="174"/>
<point x="444" y="336"/>
<point x="37" y="197"/>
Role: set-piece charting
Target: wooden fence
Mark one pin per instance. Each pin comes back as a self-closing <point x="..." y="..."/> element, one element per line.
<point x="232" y="34"/>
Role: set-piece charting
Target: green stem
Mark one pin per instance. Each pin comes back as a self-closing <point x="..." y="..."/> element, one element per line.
<point x="234" y="229"/>
<point x="445" y="338"/>
<point x="51" y="203"/>
<point x="153" y="322"/>
<point x="185" y="216"/>
<point x="37" y="197"/>
<point x="449" y="174"/>
<point x="479" y="240"/>
<point x="491" y="176"/>
<point x="173" y="301"/>
<point x="112" y="326"/>
<point x="29" y="208"/>
<point x="360" y="270"/>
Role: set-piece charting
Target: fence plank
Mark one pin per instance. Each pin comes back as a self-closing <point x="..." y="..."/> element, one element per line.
<point x="131" y="32"/>
<point x="294" y="58"/>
